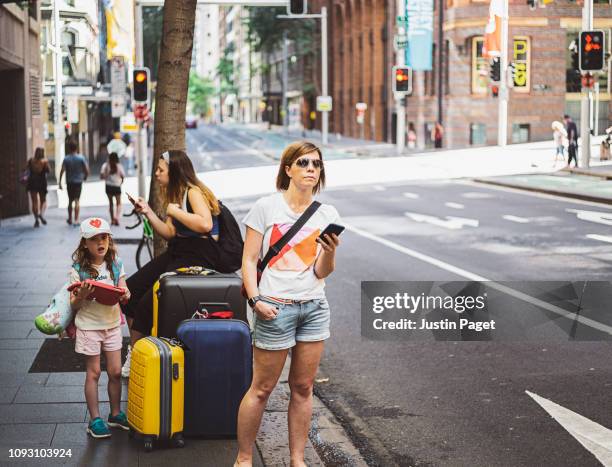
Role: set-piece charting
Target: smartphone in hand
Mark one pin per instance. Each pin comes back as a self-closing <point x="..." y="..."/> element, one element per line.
<point x="132" y="200"/>
<point x="331" y="229"/>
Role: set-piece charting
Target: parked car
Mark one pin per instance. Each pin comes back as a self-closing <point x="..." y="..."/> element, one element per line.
<point x="191" y="121"/>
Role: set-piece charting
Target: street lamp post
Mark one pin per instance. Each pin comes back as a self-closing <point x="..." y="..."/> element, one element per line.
<point x="586" y="99"/>
<point x="502" y="121"/>
<point x="324" y="75"/>
<point x="58" y="123"/>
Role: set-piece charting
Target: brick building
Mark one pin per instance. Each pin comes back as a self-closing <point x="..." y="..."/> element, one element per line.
<point x="361" y="56"/>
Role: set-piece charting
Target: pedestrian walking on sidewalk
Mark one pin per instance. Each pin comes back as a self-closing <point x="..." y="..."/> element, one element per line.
<point x="112" y="173"/>
<point x="437" y="134"/>
<point x="99" y="326"/>
<point x="289" y="304"/>
<point x="77" y="171"/>
<point x="36" y="185"/>
<point x="412" y="136"/>
<point x="191" y="224"/>
<point x="572" y="140"/>
<point x="560" y="139"/>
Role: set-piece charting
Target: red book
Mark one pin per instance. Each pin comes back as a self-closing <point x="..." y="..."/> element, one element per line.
<point x="103" y="293"/>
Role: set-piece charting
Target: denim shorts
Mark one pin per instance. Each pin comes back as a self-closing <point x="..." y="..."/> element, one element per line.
<point x="306" y="321"/>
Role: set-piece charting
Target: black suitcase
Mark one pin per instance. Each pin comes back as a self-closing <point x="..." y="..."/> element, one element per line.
<point x="179" y="295"/>
<point x="218" y="372"/>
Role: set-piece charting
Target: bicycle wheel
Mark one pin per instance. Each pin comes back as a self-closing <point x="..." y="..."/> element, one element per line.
<point x="144" y="253"/>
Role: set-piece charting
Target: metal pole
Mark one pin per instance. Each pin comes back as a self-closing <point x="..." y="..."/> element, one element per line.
<point x="441" y="51"/>
<point x="400" y="110"/>
<point x="596" y="123"/>
<point x="285" y="81"/>
<point x="58" y="121"/>
<point x="502" y="127"/>
<point x="325" y="114"/>
<point x="142" y="132"/>
<point x="585" y="103"/>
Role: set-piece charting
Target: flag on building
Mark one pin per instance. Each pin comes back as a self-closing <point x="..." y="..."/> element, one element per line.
<point x="492" y="42"/>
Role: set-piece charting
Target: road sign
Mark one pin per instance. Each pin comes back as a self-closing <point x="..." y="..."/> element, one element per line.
<point x="128" y="123"/>
<point x="72" y="109"/>
<point x="118" y="105"/>
<point x="324" y="104"/>
<point x="400" y="42"/>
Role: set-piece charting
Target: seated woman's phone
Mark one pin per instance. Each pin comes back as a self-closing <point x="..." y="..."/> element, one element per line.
<point x="132" y="200"/>
<point x="331" y="229"/>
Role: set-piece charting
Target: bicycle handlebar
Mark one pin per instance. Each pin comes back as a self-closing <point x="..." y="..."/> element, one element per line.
<point x="138" y="216"/>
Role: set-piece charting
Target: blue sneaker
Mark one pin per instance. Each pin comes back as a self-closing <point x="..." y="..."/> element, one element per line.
<point x="98" y="428"/>
<point x="118" y="421"/>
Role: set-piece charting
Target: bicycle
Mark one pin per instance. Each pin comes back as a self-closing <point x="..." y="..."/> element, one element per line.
<point x="145" y="245"/>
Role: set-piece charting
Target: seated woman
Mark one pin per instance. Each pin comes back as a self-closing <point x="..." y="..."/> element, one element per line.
<point x="190" y="226"/>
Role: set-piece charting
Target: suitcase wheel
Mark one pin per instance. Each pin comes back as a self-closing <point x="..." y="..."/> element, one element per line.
<point x="179" y="442"/>
<point x="148" y="445"/>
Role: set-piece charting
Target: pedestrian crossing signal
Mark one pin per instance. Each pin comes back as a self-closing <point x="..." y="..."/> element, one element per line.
<point x="495" y="70"/>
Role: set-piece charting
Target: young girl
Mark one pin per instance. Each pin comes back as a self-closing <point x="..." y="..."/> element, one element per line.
<point x="98" y="325"/>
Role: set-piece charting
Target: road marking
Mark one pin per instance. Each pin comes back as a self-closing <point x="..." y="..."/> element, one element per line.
<point x="475" y="277"/>
<point x="476" y="195"/>
<point x="533" y="194"/>
<point x="452" y="223"/>
<point x="411" y="195"/>
<point x="601" y="238"/>
<point x="593" y="216"/>
<point x="379" y="188"/>
<point x="454" y="205"/>
<point x="520" y="220"/>
<point x="596" y="438"/>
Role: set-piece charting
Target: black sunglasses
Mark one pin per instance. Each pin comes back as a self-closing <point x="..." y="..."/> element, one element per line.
<point x="304" y="162"/>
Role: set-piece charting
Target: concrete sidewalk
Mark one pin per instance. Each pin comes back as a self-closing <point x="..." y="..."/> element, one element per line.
<point x="48" y="410"/>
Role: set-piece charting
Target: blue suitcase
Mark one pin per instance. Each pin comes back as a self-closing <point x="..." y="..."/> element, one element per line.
<point x="218" y="372"/>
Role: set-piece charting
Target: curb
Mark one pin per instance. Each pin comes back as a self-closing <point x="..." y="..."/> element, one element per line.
<point x="564" y="194"/>
<point x="590" y="173"/>
<point x="327" y="444"/>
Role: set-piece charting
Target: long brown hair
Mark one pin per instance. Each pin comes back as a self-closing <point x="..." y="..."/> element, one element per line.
<point x="290" y="155"/>
<point x="182" y="176"/>
<point x="113" y="160"/>
<point x="81" y="257"/>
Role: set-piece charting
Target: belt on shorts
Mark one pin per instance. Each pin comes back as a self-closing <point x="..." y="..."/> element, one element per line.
<point x="284" y="301"/>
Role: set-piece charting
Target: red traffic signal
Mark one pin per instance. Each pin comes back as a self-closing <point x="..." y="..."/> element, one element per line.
<point x="140" y="85"/>
<point x="402" y="80"/>
<point x="591" y="50"/>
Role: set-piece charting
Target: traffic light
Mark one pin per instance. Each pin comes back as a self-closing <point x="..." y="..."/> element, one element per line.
<point x="532" y="4"/>
<point x="402" y="80"/>
<point x="591" y="50"/>
<point x="140" y="86"/>
<point x="495" y="70"/>
<point x="297" y="7"/>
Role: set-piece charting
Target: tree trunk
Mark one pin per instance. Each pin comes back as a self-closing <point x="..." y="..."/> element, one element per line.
<point x="171" y="92"/>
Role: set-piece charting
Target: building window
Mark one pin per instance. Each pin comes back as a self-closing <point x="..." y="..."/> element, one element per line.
<point x="68" y="55"/>
<point x="479" y="67"/>
<point x="478" y="134"/>
<point x="520" y="132"/>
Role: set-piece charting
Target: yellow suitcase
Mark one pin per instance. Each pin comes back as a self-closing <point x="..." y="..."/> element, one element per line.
<point x="156" y="391"/>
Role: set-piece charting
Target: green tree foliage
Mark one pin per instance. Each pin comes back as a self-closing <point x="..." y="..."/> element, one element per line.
<point x="152" y="19"/>
<point x="265" y="30"/>
<point x="225" y="71"/>
<point x="200" y="91"/>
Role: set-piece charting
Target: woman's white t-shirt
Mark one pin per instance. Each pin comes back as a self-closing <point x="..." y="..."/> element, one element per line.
<point x="115" y="179"/>
<point x="94" y="316"/>
<point x="290" y="274"/>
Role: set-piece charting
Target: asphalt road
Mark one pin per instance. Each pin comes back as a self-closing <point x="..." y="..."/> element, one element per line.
<point x="464" y="403"/>
<point x="215" y="147"/>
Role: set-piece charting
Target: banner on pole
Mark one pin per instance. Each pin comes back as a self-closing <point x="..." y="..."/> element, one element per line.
<point x="492" y="44"/>
<point x="420" y="34"/>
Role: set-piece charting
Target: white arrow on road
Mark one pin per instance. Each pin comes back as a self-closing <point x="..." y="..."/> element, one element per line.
<point x="595" y="438"/>
<point x="452" y="223"/>
<point x="593" y="216"/>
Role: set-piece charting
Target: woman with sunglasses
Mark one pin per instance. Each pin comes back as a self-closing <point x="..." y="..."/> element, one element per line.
<point x="289" y="304"/>
<point x="190" y="225"/>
